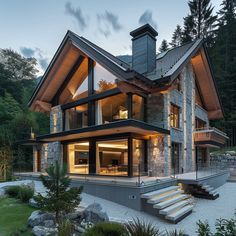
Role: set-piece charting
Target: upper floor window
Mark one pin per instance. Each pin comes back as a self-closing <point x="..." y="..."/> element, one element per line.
<point x="199" y="124"/>
<point x="112" y="109"/>
<point x="174" y="116"/>
<point x="103" y="79"/>
<point x="76" y="117"/>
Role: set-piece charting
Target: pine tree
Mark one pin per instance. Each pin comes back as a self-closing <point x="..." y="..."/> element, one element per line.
<point x="188" y="33"/>
<point x="203" y="18"/>
<point x="176" y="37"/>
<point x="164" y="46"/>
<point x="223" y="55"/>
<point x="59" y="198"/>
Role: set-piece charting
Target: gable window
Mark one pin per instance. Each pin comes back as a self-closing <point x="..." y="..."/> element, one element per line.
<point x="198" y="98"/>
<point x="174" y="116"/>
<point x="103" y="79"/>
<point x="110" y="109"/>
<point x="77" y="86"/>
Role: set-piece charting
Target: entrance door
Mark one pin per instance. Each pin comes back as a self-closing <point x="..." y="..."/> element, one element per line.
<point x="175" y="158"/>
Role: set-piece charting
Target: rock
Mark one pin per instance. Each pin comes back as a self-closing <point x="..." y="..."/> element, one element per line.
<point x="75" y="215"/>
<point x="2" y="192"/>
<point x="33" y="203"/>
<point x="94" y="213"/>
<point x="38" y="217"/>
<point x="43" y="231"/>
<point x="49" y="223"/>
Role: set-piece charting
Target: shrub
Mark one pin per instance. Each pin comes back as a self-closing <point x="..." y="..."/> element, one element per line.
<point x="225" y="227"/>
<point x="203" y="228"/>
<point x="13" y="191"/>
<point x="25" y="193"/>
<point x="65" y="228"/>
<point x="137" y="228"/>
<point x="106" y="229"/>
<point x="175" y="233"/>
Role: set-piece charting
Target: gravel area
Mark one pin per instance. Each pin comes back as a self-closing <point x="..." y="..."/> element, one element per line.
<point x="223" y="207"/>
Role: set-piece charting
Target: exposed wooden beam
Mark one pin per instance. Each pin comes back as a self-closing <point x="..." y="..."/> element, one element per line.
<point x="43" y="106"/>
<point x="127" y="88"/>
<point x="67" y="79"/>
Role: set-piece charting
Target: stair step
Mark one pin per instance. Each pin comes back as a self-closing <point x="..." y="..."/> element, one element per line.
<point x="175" y="216"/>
<point x="171" y="201"/>
<point x="159" y="191"/>
<point x="214" y="192"/>
<point x="206" y="186"/>
<point x="173" y="207"/>
<point x="161" y="198"/>
<point x="209" y="189"/>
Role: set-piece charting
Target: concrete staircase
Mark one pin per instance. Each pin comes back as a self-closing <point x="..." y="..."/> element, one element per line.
<point x="171" y="203"/>
<point x="204" y="190"/>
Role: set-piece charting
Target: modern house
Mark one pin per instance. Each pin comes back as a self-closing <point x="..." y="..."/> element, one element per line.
<point x="145" y="116"/>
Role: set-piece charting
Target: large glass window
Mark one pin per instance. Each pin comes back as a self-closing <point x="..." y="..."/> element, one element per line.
<point x="78" y="158"/>
<point x="77" y="87"/>
<point x="174" y="116"/>
<point x="111" y="109"/>
<point x="138" y="157"/>
<point x="112" y="157"/>
<point x="76" y="117"/>
<point x="138" y="107"/>
<point x="103" y="79"/>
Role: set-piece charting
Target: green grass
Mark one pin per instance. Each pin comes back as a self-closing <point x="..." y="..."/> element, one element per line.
<point x="13" y="216"/>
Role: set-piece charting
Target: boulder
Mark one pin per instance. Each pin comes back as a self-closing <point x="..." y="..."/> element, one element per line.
<point x="38" y="217"/>
<point x="33" y="203"/>
<point x="75" y="215"/>
<point x="94" y="214"/>
<point x="43" y="231"/>
<point x="49" y="223"/>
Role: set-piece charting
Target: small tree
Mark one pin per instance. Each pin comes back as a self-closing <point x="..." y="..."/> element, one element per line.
<point x="164" y="46"/>
<point x="59" y="197"/>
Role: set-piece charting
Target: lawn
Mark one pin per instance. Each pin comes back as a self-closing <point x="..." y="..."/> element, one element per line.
<point x="13" y="216"/>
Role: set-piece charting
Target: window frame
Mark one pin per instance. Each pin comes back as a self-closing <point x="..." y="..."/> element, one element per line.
<point x="176" y="122"/>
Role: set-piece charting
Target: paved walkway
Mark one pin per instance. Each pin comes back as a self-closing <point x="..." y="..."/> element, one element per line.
<point x="223" y="207"/>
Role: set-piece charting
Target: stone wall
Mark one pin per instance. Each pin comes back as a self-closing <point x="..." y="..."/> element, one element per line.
<point x="158" y="113"/>
<point x="56" y="119"/>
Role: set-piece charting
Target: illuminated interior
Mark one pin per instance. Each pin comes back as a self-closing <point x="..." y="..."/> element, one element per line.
<point x="111" y="109"/>
<point x="112" y="157"/>
<point x="78" y="158"/>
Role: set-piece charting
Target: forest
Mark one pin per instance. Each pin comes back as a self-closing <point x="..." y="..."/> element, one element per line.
<point x="18" y="78"/>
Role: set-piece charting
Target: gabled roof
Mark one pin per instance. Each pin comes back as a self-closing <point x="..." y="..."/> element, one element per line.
<point x="171" y="62"/>
<point x="168" y="65"/>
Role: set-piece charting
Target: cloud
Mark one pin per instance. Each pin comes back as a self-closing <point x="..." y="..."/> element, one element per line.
<point x="77" y="14"/>
<point x="108" y="22"/>
<point x="146" y="17"/>
<point x="27" y="52"/>
<point x="38" y="54"/>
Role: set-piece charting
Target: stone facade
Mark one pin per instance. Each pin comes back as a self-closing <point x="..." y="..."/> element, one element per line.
<point x="158" y="113"/>
<point x="53" y="151"/>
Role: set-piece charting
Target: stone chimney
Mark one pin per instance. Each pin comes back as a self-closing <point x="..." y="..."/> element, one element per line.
<point x="144" y="49"/>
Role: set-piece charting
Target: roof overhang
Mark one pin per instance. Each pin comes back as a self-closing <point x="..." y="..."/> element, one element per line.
<point x="207" y="85"/>
<point x="119" y="127"/>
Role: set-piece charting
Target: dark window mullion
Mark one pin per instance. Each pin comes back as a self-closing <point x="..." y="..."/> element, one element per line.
<point x="130" y="106"/>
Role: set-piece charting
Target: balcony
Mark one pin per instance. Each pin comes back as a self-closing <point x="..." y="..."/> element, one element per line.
<point x="209" y="136"/>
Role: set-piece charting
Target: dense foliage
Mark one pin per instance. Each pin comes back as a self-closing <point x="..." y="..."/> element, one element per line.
<point x="17" y="82"/>
<point x="60" y="198"/>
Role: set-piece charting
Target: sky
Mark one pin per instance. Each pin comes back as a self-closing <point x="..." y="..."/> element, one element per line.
<point x="35" y="28"/>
